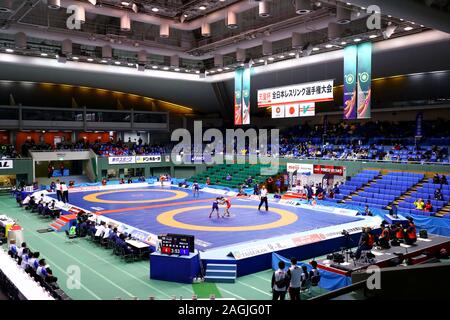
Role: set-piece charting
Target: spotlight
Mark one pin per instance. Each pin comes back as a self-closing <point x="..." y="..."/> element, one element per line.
<point x="10" y="50"/>
<point x="302" y="6"/>
<point x="54" y="4"/>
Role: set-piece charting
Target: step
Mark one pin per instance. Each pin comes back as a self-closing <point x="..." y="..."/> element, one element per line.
<point x="219" y="266"/>
<point x="227" y="273"/>
<point x="221" y="279"/>
<point x="55" y="227"/>
<point x="59" y="222"/>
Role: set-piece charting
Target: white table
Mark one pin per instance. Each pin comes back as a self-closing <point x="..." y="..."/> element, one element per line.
<point x="5" y="220"/>
<point x="137" y="244"/>
<point x="29" y="288"/>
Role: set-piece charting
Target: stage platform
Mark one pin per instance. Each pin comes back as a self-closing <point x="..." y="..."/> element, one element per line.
<point x="247" y="238"/>
<point x="385" y="257"/>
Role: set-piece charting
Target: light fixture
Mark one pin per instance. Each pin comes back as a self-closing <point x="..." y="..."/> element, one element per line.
<point x="43" y="54"/>
<point x="220" y="70"/>
<point x="264" y="9"/>
<point x="271" y="58"/>
<point x="302" y="6"/>
<point x="93" y="2"/>
<point x="54" y="4"/>
<point x="409" y="28"/>
<point x="202" y="8"/>
<point x="357" y="40"/>
<point x="126" y="4"/>
<point x="154" y="67"/>
<point x="390" y="29"/>
<point x="75" y="58"/>
<point x="373" y="36"/>
<point x="316" y="49"/>
<point x="227" y="68"/>
<point x="104" y="61"/>
<point x="177" y="69"/>
<point x="261" y="60"/>
<point x="281" y="57"/>
<point x="231" y="20"/>
<point x="166" y="68"/>
<point x="197" y="72"/>
<point x="212" y="71"/>
<point x="117" y="62"/>
<point x="329" y="46"/>
<point x="9" y="50"/>
<point x="343" y="43"/>
<point x="155" y="9"/>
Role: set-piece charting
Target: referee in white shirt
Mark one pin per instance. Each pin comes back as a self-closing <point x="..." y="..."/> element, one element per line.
<point x="65" y="192"/>
<point x="263" y="197"/>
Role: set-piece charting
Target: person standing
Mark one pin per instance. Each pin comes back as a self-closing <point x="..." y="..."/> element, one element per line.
<point x="263" y="197"/>
<point x="58" y="190"/>
<point x="65" y="192"/>
<point x="280" y="282"/>
<point x="196" y="189"/>
<point x="295" y="275"/>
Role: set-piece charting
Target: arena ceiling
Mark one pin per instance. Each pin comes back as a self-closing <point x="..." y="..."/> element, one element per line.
<point x="196" y="36"/>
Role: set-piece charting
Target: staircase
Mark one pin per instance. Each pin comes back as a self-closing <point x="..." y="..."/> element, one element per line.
<point x="357" y="191"/>
<point x="61" y="223"/>
<point x="444" y="211"/>
<point x="225" y="273"/>
<point x="408" y="193"/>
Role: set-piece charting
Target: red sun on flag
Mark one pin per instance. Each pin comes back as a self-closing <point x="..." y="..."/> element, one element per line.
<point x="292" y="110"/>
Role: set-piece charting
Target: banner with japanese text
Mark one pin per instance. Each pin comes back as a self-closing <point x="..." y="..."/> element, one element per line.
<point x="319" y="91"/>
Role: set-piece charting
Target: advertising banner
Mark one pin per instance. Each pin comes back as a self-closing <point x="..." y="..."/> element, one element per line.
<point x="246" y="96"/>
<point x="278" y="112"/>
<point x="350" y="69"/>
<point x="364" y="80"/>
<point x="148" y="159"/>
<point x="300" y="167"/>
<point x="319" y="91"/>
<point x="6" y="164"/>
<point x="334" y="170"/>
<point x="121" y="160"/>
<point x="238" y="74"/>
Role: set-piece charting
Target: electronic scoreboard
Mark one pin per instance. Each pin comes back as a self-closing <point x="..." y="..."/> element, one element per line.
<point x="179" y="244"/>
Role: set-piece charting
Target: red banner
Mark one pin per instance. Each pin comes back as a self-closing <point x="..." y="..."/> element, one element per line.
<point x="334" y="170"/>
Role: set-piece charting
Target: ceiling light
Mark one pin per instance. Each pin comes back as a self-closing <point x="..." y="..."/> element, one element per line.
<point x="212" y="71"/>
<point x="9" y="50"/>
<point x="408" y="28"/>
<point x="343" y="43"/>
<point x="220" y="70"/>
<point x="270" y="58"/>
<point x="126" y="4"/>
<point x="281" y="57"/>
<point x="242" y="64"/>
<point x="292" y="54"/>
<point x="373" y="36"/>
<point x="316" y="49"/>
<point x="117" y="62"/>
<point x="43" y="54"/>
<point x="155" y="67"/>
<point x="227" y="68"/>
<point x="358" y="40"/>
<point x="261" y="60"/>
<point x="197" y="72"/>
<point x="166" y="68"/>
<point x="131" y="64"/>
<point x="329" y="46"/>
<point x="103" y="61"/>
<point x="177" y="69"/>
<point x="75" y="58"/>
<point x="155" y="9"/>
<point x="90" y="59"/>
<point x="202" y="8"/>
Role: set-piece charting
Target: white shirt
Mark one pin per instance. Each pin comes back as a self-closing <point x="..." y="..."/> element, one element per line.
<point x="31" y="262"/>
<point x="100" y="230"/>
<point x="107" y="232"/>
<point x="24" y="262"/>
<point x="296" y="274"/>
<point x="279" y="274"/>
<point x="263" y="192"/>
<point x="20" y="252"/>
<point x="63" y="187"/>
<point x="58" y="187"/>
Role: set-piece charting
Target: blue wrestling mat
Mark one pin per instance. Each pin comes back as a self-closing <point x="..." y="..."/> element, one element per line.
<point x="174" y="210"/>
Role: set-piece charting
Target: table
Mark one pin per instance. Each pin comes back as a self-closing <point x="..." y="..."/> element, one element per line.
<point x="21" y="280"/>
<point x="174" y="268"/>
<point x="137" y="244"/>
<point x="5" y="220"/>
<point x="400" y="219"/>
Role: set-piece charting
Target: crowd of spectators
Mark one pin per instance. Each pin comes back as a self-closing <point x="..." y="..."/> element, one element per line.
<point x="8" y="151"/>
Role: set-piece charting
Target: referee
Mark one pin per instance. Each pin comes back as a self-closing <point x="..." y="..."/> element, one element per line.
<point x="263" y="197"/>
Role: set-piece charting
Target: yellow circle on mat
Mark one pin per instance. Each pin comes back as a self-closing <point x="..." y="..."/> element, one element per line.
<point x="167" y="218"/>
<point x="95" y="196"/>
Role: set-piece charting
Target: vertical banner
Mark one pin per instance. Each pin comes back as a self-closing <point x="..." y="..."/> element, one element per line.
<point x="364" y="80"/>
<point x="419" y="123"/>
<point x="246" y="96"/>
<point x="350" y="96"/>
<point x="238" y="74"/>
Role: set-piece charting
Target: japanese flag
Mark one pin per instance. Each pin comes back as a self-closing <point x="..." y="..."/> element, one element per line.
<point x="277" y="112"/>
<point x="292" y="111"/>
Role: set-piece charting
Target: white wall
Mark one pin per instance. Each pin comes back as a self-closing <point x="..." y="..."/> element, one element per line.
<point x="135" y="136"/>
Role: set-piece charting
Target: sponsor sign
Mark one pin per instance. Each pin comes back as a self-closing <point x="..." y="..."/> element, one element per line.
<point x="148" y="159"/>
<point x="121" y="160"/>
<point x="6" y="164"/>
<point x="300" y="167"/>
<point x="334" y="170"/>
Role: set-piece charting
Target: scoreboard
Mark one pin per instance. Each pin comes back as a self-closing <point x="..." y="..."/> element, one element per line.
<point x="179" y="244"/>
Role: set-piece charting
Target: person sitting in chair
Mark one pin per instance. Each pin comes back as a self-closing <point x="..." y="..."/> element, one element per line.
<point x="411" y="233"/>
<point x="438" y="195"/>
<point x="365" y="242"/>
<point x="383" y="239"/>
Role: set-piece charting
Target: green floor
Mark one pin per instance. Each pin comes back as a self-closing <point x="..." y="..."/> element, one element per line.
<point x="105" y="276"/>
